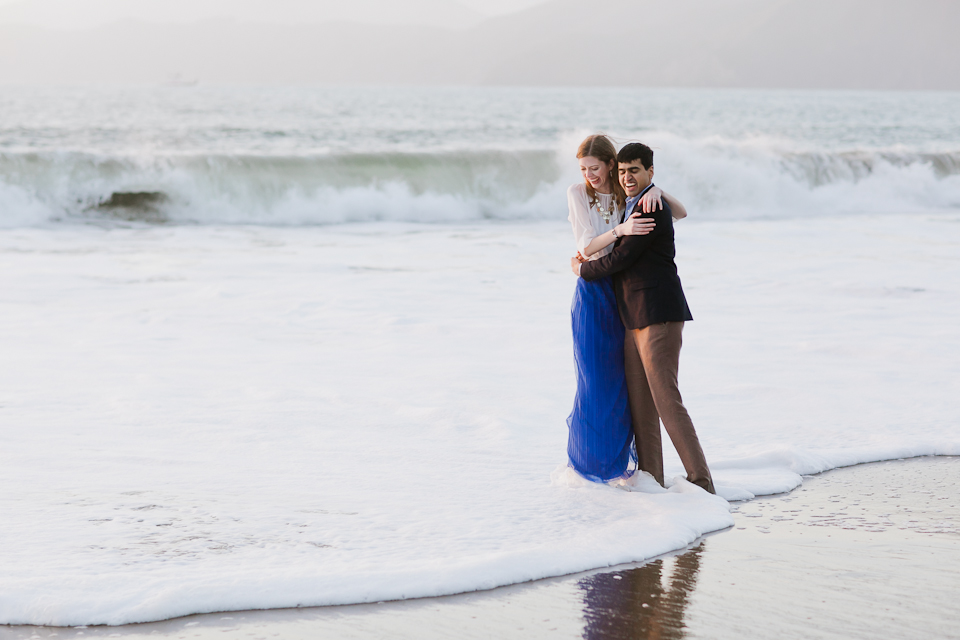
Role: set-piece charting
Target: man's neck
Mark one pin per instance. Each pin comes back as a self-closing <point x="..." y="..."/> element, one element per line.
<point x="632" y="202"/>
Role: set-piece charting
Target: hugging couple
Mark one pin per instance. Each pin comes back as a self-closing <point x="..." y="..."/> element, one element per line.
<point x="628" y="314"/>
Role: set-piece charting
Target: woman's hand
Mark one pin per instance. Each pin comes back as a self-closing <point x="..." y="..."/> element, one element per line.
<point x="636" y="225"/>
<point x="652" y="200"/>
<point x="580" y="258"/>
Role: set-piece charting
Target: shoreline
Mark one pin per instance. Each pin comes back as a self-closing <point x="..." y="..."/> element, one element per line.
<point x="838" y="511"/>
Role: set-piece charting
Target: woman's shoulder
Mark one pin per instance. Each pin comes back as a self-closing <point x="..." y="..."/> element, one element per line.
<point x="578" y="190"/>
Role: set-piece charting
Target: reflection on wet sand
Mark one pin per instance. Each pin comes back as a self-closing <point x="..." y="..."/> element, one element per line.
<point x="636" y="603"/>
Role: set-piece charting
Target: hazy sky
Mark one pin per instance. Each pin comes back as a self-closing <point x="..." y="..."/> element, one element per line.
<point x="80" y="14"/>
<point x="842" y="44"/>
<point x="489" y="7"/>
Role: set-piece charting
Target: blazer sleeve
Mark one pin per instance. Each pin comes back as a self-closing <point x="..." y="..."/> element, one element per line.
<point x="627" y="251"/>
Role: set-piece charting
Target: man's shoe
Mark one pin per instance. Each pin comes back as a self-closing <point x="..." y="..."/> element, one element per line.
<point x="704" y="483"/>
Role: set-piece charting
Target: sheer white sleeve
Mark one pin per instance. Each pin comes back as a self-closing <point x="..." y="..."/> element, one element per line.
<point x="583" y="231"/>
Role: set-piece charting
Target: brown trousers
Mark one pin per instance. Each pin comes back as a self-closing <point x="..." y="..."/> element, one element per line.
<point x="651" y="362"/>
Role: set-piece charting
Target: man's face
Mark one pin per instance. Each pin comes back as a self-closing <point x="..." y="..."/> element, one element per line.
<point x="634" y="178"/>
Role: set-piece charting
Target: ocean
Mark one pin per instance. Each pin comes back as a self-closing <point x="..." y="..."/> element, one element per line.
<point x="290" y="347"/>
<point x="320" y="156"/>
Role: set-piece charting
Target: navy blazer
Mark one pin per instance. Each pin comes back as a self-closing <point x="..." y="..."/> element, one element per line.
<point x="644" y="275"/>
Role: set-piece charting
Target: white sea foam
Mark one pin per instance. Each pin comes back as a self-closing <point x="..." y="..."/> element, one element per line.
<point x="200" y="418"/>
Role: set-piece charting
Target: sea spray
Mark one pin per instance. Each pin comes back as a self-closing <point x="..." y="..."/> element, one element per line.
<point x="716" y="179"/>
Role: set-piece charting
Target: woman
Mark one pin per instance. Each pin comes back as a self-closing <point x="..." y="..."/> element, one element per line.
<point x="600" y="444"/>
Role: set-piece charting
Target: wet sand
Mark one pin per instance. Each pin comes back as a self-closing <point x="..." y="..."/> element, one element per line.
<point x="871" y="551"/>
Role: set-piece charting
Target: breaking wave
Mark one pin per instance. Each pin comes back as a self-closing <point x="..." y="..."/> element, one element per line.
<point x="716" y="179"/>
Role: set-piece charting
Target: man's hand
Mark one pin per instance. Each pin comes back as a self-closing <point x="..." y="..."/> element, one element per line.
<point x="575" y="264"/>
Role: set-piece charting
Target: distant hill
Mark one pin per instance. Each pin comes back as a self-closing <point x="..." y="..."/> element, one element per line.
<point x="842" y="44"/>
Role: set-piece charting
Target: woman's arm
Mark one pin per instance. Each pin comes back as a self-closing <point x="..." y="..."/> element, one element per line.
<point x="634" y="226"/>
<point x="676" y="207"/>
<point x="650" y="202"/>
<point x="588" y="243"/>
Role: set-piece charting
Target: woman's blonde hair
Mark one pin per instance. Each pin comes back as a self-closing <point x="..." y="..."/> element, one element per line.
<point x="601" y="147"/>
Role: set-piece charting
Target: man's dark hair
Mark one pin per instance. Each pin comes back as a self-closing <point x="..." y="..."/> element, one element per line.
<point x="636" y="151"/>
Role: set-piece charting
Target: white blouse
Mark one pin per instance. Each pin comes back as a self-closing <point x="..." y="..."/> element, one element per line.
<point x="586" y="221"/>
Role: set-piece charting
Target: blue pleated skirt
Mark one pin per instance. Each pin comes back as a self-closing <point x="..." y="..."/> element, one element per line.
<point x="600" y="445"/>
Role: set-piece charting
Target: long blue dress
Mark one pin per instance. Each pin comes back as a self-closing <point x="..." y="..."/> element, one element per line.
<point x="600" y="445"/>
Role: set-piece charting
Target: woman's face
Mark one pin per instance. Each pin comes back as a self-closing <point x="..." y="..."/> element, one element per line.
<point x="596" y="172"/>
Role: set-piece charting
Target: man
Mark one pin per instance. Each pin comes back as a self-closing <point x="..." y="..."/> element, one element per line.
<point x="653" y="309"/>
